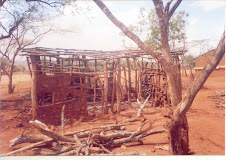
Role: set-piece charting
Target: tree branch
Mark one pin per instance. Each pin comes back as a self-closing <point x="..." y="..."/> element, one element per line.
<point x="11" y="29"/>
<point x="186" y="102"/>
<point x="159" y="8"/>
<point x="172" y="10"/>
<point x="51" y="4"/>
<point x="168" y="5"/>
<point x="131" y="35"/>
<point x="2" y="2"/>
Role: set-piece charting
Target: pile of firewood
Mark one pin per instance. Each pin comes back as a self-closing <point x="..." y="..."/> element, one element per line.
<point x="219" y="99"/>
<point x="92" y="141"/>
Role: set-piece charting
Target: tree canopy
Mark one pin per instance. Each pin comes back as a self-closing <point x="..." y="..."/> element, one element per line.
<point x="148" y="28"/>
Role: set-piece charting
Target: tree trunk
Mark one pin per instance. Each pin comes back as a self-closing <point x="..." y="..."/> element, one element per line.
<point x="10" y="85"/>
<point x="179" y="140"/>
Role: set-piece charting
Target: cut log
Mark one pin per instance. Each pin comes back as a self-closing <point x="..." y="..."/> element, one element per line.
<point x="46" y="131"/>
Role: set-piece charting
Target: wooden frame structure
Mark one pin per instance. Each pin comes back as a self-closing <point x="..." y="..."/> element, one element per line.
<point x="101" y="76"/>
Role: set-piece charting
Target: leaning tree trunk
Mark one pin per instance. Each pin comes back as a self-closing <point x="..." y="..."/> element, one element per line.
<point x="179" y="126"/>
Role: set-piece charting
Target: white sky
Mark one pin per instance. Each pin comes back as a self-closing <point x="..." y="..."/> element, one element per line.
<point x="93" y="30"/>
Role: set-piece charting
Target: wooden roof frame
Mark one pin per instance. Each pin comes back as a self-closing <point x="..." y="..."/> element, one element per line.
<point x="92" y="54"/>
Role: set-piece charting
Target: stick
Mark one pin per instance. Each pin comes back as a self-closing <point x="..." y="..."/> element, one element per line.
<point x="68" y="153"/>
<point x="103" y="128"/>
<point x="62" y="119"/>
<point x="28" y="147"/>
<point x="77" y="139"/>
<point x="118" y="82"/>
<point x="106" y="150"/>
<point x="133" y="139"/>
<point x="45" y="130"/>
<point x="28" y="138"/>
<point x="107" y="137"/>
<point x="140" y="109"/>
<point x="64" y="149"/>
<point x="124" y="153"/>
<point x="130" y="83"/>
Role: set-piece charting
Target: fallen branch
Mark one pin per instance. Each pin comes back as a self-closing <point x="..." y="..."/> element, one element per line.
<point x="95" y="130"/>
<point x="124" y="153"/>
<point x="106" y="150"/>
<point x="46" y="131"/>
<point x="141" y="106"/>
<point x="63" y="150"/>
<point x="101" y="138"/>
<point x="34" y="138"/>
<point x="28" y="147"/>
<point x="133" y="138"/>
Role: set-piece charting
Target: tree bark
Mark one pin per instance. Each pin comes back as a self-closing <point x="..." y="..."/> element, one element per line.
<point x="10" y="85"/>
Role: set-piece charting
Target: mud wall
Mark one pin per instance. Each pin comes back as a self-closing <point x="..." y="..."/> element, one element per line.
<point x="54" y="91"/>
<point x="202" y="60"/>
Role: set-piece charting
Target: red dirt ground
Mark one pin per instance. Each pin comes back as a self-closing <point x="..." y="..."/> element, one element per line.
<point x="206" y="121"/>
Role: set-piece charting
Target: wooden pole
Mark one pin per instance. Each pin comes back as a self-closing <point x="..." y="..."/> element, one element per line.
<point x="62" y="64"/>
<point x="178" y="73"/>
<point x="125" y="79"/>
<point x="114" y="85"/>
<point x="44" y="61"/>
<point x="34" y="86"/>
<point x="118" y="88"/>
<point x="129" y="78"/>
<point x="139" y="82"/>
<point x="29" y="67"/>
<point x="105" y="88"/>
<point x="135" y="69"/>
<point x="95" y="83"/>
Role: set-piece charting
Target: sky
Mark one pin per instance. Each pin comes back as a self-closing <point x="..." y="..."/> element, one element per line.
<point x="93" y="30"/>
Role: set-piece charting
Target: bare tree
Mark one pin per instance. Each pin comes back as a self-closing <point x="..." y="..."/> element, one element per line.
<point x="10" y="48"/>
<point x="30" y="6"/>
<point x="178" y="130"/>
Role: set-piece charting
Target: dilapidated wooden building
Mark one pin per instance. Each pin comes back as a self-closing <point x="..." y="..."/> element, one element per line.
<point x="74" y="79"/>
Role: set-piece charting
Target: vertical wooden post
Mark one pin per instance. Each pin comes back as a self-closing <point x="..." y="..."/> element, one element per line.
<point x="95" y="82"/>
<point x="139" y="82"/>
<point x="44" y="61"/>
<point x="178" y="73"/>
<point x="129" y="78"/>
<point x="135" y="69"/>
<point x="105" y="88"/>
<point x="118" y="88"/>
<point x="49" y="61"/>
<point x="125" y="80"/>
<point x="62" y="64"/>
<point x="34" y="86"/>
<point x="114" y="85"/>
<point x="29" y="67"/>
<point x="94" y="96"/>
